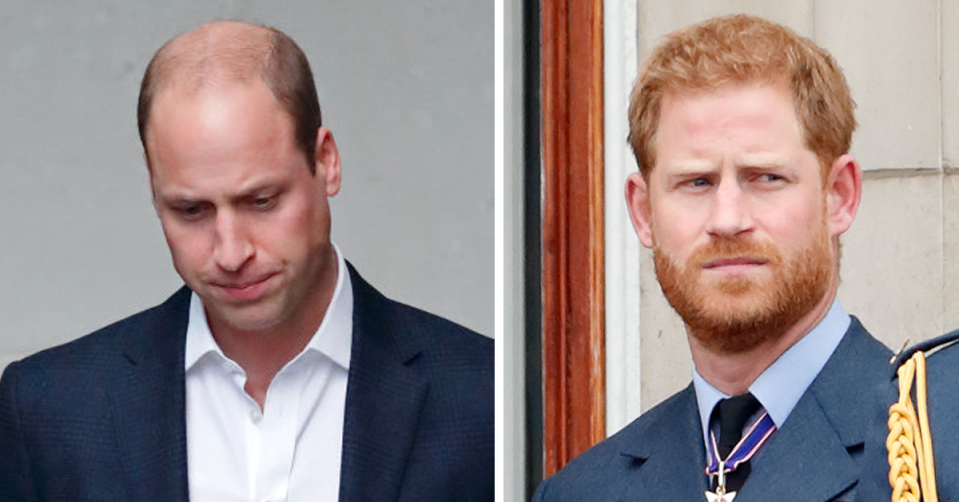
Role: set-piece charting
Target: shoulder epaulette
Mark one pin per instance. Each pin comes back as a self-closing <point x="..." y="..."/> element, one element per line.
<point x="928" y="346"/>
<point x="912" y="471"/>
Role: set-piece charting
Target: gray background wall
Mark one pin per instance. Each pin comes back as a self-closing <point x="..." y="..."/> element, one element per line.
<point x="407" y="88"/>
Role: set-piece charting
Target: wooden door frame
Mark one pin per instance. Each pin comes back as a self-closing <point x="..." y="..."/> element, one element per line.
<point x="573" y="248"/>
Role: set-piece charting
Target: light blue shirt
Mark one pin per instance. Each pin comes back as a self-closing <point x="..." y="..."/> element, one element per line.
<point x="780" y="386"/>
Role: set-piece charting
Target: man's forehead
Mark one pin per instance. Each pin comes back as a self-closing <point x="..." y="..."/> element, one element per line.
<point x="725" y="87"/>
<point x="756" y="123"/>
<point x="203" y="133"/>
<point x="212" y="88"/>
<point x="197" y="86"/>
<point x="179" y="115"/>
<point x="748" y="105"/>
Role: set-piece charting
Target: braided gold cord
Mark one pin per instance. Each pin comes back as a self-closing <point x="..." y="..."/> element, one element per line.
<point x="912" y="472"/>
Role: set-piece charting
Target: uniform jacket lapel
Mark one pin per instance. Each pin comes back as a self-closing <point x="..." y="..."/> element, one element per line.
<point x="832" y="446"/>
<point x="808" y="447"/>
<point x="148" y="396"/>
<point x="384" y="398"/>
<point x="668" y="456"/>
<point x="835" y="433"/>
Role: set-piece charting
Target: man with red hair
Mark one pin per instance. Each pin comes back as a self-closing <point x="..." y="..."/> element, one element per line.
<point x="742" y="129"/>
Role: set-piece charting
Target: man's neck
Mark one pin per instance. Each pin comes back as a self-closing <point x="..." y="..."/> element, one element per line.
<point x="263" y="353"/>
<point x="733" y="373"/>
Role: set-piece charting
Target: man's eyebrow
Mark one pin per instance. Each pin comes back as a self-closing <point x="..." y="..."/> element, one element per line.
<point x="689" y="167"/>
<point x="178" y="199"/>
<point x="258" y="188"/>
<point x="761" y="161"/>
<point x="177" y="196"/>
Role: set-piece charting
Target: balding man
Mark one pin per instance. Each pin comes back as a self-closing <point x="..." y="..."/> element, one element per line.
<point x="277" y="372"/>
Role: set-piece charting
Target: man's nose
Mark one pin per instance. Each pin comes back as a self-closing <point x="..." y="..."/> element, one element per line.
<point x="232" y="248"/>
<point x="731" y="214"/>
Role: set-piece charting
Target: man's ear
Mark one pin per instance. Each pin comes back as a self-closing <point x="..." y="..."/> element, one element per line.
<point x="637" y="202"/>
<point x="327" y="161"/>
<point x="843" y="191"/>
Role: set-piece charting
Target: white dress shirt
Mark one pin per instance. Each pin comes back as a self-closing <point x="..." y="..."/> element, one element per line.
<point x="289" y="450"/>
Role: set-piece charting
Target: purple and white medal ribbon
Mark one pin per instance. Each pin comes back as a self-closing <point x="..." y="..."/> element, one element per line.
<point x="752" y="440"/>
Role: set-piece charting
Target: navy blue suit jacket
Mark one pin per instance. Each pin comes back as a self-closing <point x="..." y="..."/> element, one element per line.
<point x="832" y="446"/>
<point x="102" y="418"/>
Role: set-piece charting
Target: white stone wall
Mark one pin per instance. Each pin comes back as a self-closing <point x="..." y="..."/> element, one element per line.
<point x="900" y="267"/>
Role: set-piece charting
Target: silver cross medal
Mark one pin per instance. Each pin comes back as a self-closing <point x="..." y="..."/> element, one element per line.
<point x="720" y="495"/>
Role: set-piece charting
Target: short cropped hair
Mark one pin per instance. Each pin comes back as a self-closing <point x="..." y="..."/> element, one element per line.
<point x="246" y="52"/>
<point x="744" y="49"/>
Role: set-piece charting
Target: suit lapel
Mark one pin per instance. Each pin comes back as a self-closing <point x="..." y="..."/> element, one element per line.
<point x="831" y="442"/>
<point x="838" y="420"/>
<point x="148" y="396"/>
<point x="808" y="446"/>
<point x="668" y="455"/>
<point x="384" y="397"/>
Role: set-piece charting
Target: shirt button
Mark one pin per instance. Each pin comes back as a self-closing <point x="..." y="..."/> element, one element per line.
<point x="256" y="415"/>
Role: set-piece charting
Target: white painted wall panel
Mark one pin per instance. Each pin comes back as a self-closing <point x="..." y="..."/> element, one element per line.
<point x="889" y="51"/>
<point x="656" y="18"/>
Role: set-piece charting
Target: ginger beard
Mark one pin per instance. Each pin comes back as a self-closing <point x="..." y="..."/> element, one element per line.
<point x="735" y="314"/>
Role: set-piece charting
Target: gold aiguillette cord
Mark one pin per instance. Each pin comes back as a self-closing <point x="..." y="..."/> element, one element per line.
<point x="912" y="471"/>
